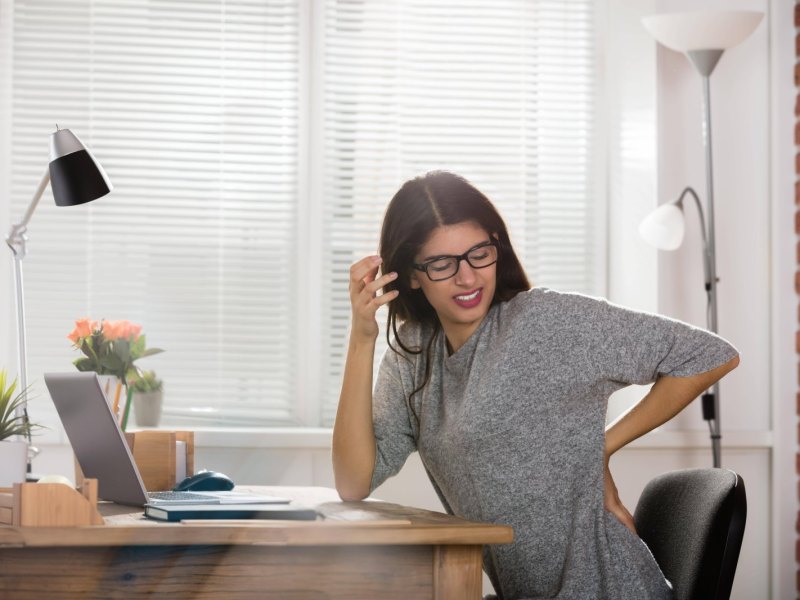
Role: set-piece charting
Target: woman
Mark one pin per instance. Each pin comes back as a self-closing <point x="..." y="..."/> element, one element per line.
<point x="503" y="391"/>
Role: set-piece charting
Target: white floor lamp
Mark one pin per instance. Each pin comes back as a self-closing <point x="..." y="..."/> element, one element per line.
<point x="703" y="36"/>
<point x="76" y="178"/>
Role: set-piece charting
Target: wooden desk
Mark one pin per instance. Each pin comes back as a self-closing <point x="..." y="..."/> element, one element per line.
<point x="371" y="550"/>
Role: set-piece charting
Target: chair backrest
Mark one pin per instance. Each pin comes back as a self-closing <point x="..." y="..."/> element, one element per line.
<point x="693" y="522"/>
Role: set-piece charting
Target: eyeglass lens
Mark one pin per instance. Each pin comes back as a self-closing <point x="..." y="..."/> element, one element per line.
<point x="445" y="268"/>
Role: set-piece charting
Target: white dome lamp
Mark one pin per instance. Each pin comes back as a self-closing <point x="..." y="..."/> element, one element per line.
<point x="703" y="36"/>
<point x="664" y="228"/>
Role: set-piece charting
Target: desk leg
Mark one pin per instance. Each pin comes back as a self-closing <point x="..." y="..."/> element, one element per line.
<point x="457" y="572"/>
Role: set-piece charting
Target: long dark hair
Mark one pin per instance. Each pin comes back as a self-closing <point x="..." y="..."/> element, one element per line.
<point x="419" y="207"/>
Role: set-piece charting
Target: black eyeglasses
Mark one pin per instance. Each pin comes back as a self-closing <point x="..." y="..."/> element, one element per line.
<point x="444" y="267"/>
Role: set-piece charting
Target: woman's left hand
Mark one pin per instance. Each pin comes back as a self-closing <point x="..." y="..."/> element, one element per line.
<point x="614" y="505"/>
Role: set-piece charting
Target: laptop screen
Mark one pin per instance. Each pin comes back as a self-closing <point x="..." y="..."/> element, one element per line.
<point x="95" y="435"/>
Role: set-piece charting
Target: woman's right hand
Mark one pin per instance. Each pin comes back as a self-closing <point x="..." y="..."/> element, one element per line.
<point x="363" y="296"/>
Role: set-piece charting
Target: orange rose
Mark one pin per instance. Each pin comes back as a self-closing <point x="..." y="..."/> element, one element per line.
<point x="114" y="330"/>
<point x="128" y="330"/>
<point x="83" y="329"/>
<point x="110" y="329"/>
<point x="134" y="331"/>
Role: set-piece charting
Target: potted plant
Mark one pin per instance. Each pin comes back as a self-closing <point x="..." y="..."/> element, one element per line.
<point x="148" y="398"/>
<point x="13" y="453"/>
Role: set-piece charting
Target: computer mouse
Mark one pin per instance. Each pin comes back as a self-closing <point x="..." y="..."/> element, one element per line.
<point x="205" y="481"/>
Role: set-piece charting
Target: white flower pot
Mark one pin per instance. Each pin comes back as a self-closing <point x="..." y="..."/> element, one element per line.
<point x="147" y="408"/>
<point x="13" y="462"/>
<point x="108" y="383"/>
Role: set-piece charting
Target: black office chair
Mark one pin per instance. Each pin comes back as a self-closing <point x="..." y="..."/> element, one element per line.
<point x="693" y="522"/>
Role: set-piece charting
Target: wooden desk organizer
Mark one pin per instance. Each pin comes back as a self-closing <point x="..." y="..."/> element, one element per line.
<point x="154" y="453"/>
<point x="50" y="505"/>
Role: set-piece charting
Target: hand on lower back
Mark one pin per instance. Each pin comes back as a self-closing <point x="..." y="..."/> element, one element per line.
<point x="613" y="504"/>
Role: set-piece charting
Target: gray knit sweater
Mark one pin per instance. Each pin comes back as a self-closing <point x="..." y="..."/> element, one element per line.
<point x="512" y="432"/>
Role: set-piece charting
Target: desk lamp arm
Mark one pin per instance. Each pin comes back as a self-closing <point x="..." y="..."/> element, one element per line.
<point x="17" y="241"/>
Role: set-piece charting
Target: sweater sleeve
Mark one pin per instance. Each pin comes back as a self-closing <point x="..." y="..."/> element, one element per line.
<point x="394" y="436"/>
<point x="634" y="347"/>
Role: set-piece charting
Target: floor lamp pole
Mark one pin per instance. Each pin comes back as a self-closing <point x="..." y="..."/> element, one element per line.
<point x="716" y="434"/>
<point x="705" y="61"/>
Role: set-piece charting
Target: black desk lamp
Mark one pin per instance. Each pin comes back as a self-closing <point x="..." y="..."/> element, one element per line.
<point x="76" y="178"/>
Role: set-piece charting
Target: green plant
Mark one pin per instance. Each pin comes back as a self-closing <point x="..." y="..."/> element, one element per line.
<point x="146" y="382"/>
<point x="10" y="423"/>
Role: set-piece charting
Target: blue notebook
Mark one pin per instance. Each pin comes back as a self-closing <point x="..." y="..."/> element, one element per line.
<point x="185" y="512"/>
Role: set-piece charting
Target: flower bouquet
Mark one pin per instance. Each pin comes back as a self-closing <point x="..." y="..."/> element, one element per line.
<point x="111" y="348"/>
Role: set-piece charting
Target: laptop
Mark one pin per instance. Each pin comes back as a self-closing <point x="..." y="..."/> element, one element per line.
<point x="103" y="453"/>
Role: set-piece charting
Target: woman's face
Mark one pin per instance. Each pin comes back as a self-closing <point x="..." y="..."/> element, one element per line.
<point x="462" y="301"/>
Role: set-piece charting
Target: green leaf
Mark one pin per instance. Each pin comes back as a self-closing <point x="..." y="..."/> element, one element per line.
<point x="138" y="347"/>
<point x="10" y="424"/>
<point x="85" y="364"/>
<point x="122" y="349"/>
<point x="112" y="362"/>
<point x="104" y="348"/>
<point x="6" y="392"/>
<point x="151" y="352"/>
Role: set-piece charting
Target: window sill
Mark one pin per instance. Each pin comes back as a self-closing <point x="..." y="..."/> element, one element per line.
<point x="671" y="439"/>
<point x="261" y="437"/>
<point x="320" y="438"/>
<point x="301" y="437"/>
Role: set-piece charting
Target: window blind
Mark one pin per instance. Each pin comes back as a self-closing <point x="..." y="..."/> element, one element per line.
<point x="206" y="119"/>
<point x="191" y="107"/>
<point x="501" y="92"/>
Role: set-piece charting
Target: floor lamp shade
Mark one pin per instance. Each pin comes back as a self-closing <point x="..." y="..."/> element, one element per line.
<point x="704" y="29"/>
<point x="75" y="176"/>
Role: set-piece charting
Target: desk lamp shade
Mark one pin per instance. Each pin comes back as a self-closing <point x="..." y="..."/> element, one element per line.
<point x="75" y="176"/>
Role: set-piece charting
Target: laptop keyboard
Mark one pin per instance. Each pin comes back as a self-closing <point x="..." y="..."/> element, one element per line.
<point x="177" y="496"/>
